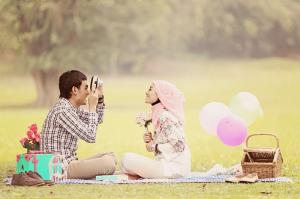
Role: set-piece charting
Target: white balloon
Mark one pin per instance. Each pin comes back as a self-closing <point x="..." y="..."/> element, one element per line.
<point x="211" y="114"/>
<point x="246" y="106"/>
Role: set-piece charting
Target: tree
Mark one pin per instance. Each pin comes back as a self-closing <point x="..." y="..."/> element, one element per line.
<point x="119" y="36"/>
<point x="40" y="27"/>
<point x="104" y="36"/>
<point x="239" y="28"/>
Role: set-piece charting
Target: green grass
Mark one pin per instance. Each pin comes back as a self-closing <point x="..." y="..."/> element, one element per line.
<point x="274" y="81"/>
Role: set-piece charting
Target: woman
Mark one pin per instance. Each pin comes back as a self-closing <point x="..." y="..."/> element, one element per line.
<point x="172" y="155"/>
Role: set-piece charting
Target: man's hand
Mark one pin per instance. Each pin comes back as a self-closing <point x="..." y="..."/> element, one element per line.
<point x="100" y="91"/>
<point x="93" y="100"/>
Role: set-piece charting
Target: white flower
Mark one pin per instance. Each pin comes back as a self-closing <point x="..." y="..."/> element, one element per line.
<point x="143" y="119"/>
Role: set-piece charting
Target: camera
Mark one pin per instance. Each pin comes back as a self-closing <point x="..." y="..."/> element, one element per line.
<point x="95" y="83"/>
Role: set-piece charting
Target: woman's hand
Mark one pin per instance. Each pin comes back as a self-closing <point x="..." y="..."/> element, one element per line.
<point x="150" y="146"/>
<point x="147" y="137"/>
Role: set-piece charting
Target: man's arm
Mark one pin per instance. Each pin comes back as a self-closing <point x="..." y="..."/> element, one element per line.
<point x="97" y="104"/>
<point x="70" y="121"/>
<point x="84" y="114"/>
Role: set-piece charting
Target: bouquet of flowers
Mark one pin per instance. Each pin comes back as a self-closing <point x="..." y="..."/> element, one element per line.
<point x="32" y="141"/>
<point x="143" y="119"/>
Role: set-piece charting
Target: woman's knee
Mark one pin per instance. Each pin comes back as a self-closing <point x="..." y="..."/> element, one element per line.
<point x="127" y="160"/>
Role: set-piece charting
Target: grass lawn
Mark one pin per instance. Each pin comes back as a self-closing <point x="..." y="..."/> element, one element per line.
<point x="274" y="81"/>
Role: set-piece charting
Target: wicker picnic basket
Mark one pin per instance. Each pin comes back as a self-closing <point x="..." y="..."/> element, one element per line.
<point x="265" y="161"/>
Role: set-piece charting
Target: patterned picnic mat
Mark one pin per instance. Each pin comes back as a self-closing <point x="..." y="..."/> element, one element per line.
<point x="196" y="177"/>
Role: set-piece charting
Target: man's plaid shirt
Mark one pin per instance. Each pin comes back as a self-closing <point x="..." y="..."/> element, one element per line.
<point x="65" y="124"/>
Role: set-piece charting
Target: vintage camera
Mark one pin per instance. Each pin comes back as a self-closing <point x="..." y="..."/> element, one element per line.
<point x="95" y="83"/>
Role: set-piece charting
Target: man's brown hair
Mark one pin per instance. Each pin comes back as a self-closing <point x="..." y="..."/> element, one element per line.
<point x="69" y="79"/>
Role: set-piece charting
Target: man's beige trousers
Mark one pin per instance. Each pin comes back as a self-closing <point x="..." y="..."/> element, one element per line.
<point x="100" y="164"/>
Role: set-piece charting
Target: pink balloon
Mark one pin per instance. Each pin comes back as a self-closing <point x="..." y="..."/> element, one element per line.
<point x="231" y="131"/>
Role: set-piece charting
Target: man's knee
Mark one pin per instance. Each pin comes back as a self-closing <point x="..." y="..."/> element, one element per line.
<point x="109" y="164"/>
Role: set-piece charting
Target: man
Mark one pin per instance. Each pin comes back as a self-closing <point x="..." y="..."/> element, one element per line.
<point x="66" y="123"/>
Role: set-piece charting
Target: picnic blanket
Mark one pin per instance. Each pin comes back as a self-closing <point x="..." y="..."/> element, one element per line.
<point x="217" y="174"/>
<point x="196" y="177"/>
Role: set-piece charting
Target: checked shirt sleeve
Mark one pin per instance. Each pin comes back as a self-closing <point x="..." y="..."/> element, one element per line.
<point x="84" y="115"/>
<point x="71" y="122"/>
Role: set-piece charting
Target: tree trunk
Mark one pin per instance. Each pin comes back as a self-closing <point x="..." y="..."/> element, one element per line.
<point x="46" y="82"/>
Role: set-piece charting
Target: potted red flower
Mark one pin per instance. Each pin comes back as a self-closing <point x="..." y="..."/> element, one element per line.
<point x="32" y="141"/>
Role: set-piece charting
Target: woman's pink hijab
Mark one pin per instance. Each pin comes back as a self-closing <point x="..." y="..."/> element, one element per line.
<point x="171" y="99"/>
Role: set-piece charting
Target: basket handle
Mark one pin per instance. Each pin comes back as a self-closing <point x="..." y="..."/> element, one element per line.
<point x="258" y="134"/>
